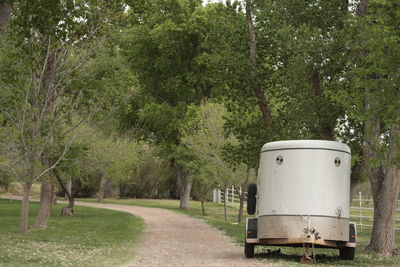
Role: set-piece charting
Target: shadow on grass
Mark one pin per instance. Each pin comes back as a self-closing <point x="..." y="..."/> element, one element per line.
<point x="324" y="257"/>
<point x="294" y="256"/>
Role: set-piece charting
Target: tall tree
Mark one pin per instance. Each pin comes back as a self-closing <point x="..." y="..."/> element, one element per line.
<point x="164" y="48"/>
<point x="378" y="57"/>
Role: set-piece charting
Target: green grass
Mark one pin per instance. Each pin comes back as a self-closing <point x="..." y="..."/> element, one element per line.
<point x="94" y="237"/>
<point x="285" y="256"/>
<point x="214" y="213"/>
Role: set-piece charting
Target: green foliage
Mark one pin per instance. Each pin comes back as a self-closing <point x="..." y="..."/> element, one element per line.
<point x="50" y="78"/>
<point x="202" y="151"/>
<point x="5" y="180"/>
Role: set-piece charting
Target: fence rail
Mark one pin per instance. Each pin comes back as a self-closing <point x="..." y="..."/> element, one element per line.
<point x="363" y="207"/>
<point x="362" y="218"/>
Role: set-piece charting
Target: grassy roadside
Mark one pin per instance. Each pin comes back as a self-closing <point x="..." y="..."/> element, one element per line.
<point x="94" y="237"/>
<point x="285" y="256"/>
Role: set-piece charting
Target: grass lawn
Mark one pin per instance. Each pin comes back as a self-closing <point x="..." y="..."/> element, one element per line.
<point x="94" y="237"/>
<point x="286" y="256"/>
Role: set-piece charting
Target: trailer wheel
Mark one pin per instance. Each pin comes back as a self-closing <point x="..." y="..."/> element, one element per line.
<point x="347" y="253"/>
<point x="251" y="199"/>
<point x="249" y="250"/>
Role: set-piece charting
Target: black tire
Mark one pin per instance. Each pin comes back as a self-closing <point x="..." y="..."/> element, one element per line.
<point x="249" y="250"/>
<point x="347" y="253"/>
<point x="251" y="199"/>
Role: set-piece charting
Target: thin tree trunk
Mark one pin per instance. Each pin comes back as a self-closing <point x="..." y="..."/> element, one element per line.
<point x="258" y="91"/>
<point x="23" y="228"/>
<point x="203" y="198"/>
<point x="225" y="208"/>
<point x="241" y="200"/>
<point x="241" y="205"/>
<point x="69" y="192"/>
<point x="242" y="195"/>
<point x="103" y="182"/>
<point x="354" y="178"/>
<point x="5" y="14"/>
<point x="31" y="158"/>
<point x="46" y="202"/>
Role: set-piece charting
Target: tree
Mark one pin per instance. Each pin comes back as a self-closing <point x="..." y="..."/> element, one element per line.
<point x="40" y="56"/>
<point x="163" y="47"/>
<point x="377" y="58"/>
<point x="202" y="151"/>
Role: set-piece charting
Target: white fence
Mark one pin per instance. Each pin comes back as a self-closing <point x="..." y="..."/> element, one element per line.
<point x="365" y="211"/>
<point x="231" y="195"/>
<point x="362" y="211"/>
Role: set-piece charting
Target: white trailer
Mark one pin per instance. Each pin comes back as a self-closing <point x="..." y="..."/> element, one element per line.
<point x="302" y="198"/>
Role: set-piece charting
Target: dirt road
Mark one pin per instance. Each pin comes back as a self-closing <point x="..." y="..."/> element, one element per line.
<point x="173" y="239"/>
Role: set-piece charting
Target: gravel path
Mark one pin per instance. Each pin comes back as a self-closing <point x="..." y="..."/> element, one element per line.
<point x="173" y="239"/>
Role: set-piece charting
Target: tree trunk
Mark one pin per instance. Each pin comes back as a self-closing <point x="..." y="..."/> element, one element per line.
<point x="68" y="189"/>
<point x="46" y="202"/>
<point x="225" y="208"/>
<point x="242" y="195"/>
<point x="325" y="130"/>
<point x="69" y="210"/>
<point x="258" y="91"/>
<point x="23" y="228"/>
<point x="356" y="170"/>
<point x="5" y="14"/>
<point x="362" y="8"/>
<point x="103" y="182"/>
<point x="47" y="187"/>
<point x="385" y="192"/>
<point x="203" y="210"/>
<point x="241" y="205"/>
<point x="184" y="186"/>
<point x="69" y="192"/>
<point x="344" y="5"/>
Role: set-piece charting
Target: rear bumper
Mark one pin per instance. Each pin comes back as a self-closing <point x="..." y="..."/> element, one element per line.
<point x="253" y="236"/>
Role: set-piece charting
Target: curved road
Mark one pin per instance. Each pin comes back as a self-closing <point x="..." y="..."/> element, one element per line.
<point x="173" y="239"/>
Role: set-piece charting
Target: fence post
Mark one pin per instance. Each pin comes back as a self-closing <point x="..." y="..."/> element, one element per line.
<point x="214" y="195"/>
<point x="361" y="213"/>
<point x="233" y="195"/>
<point x="226" y="195"/>
<point x="219" y="195"/>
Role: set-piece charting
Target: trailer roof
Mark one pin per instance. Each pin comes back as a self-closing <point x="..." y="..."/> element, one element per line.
<point x="306" y="144"/>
